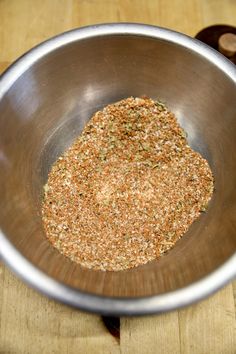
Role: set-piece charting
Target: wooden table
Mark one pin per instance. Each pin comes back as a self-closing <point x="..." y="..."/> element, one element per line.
<point x="30" y="323"/>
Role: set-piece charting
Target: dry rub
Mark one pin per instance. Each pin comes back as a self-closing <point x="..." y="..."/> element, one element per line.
<point x="127" y="189"/>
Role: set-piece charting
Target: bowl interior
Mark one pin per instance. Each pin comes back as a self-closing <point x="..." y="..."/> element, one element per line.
<point x="47" y="107"/>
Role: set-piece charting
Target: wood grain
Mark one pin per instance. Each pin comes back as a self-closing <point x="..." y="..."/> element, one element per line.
<point x="209" y="327"/>
<point x="31" y="323"/>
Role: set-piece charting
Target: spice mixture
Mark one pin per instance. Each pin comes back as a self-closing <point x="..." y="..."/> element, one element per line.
<point x="127" y="189"/>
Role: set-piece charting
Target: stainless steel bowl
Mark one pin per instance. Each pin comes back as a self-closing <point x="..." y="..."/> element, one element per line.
<point x="47" y="96"/>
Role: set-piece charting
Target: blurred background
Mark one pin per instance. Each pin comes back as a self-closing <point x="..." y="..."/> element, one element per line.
<point x="31" y="323"/>
<point x="24" y="23"/>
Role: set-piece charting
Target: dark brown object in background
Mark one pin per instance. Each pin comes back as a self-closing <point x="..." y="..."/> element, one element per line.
<point x="112" y="324"/>
<point x="211" y="36"/>
<point x="227" y="44"/>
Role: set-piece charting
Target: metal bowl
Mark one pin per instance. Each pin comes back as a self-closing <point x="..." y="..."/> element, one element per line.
<point x="47" y="96"/>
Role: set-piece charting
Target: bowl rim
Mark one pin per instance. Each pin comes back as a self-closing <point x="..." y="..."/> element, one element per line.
<point x="107" y="305"/>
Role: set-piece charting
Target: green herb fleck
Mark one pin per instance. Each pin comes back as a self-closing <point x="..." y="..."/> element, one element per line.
<point x="204" y="208"/>
<point x="161" y="106"/>
<point x="46" y="188"/>
<point x="184" y="134"/>
<point x="156" y="165"/>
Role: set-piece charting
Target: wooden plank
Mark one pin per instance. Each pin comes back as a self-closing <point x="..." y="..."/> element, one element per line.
<point x="218" y="12"/>
<point x="23" y="25"/>
<point x="234" y="293"/>
<point x="176" y="15"/>
<point x="159" y="12"/>
<point x="3" y="65"/>
<point x="206" y="327"/>
<point x="209" y="326"/>
<point x="30" y="323"/>
<point x="91" y="12"/>
<point x="152" y="334"/>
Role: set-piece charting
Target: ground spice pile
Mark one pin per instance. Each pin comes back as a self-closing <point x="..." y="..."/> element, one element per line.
<point x="127" y="189"/>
